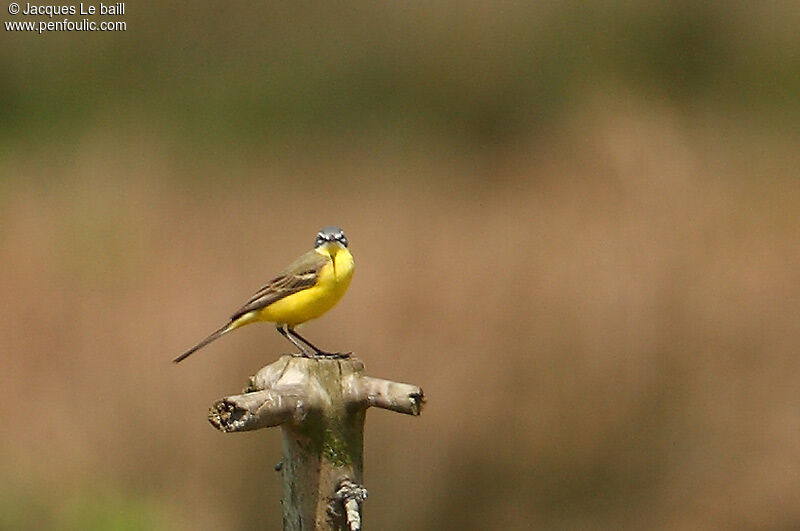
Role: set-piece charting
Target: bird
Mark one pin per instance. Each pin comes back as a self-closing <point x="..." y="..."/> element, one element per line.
<point x="306" y="289"/>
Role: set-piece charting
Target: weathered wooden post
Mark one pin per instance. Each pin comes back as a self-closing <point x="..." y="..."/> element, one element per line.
<point x="320" y="404"/>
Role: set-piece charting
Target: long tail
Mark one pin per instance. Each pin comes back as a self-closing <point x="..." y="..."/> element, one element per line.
<point x="216" y="335"/>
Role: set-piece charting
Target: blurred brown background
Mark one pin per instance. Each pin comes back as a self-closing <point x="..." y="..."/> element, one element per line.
<point x="575" y="226"/>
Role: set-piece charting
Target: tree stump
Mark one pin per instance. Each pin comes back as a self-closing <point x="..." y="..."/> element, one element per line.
<point x="320" y="404"/>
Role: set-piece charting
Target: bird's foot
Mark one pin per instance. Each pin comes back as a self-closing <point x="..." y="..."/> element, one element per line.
<point x="332" y="355"/>
<point x="322" y="355"/>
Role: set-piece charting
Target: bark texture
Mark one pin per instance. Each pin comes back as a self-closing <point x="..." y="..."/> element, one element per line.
<point x="320" y="404"/>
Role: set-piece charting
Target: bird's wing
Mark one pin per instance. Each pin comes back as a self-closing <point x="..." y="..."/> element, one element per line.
<point x="300" y="275"/>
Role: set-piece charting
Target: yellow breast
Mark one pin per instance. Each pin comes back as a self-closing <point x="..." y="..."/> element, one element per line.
<point x="334" y="279"/>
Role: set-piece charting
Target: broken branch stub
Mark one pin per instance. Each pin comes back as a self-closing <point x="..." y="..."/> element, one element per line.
<point x="320" y="405"/>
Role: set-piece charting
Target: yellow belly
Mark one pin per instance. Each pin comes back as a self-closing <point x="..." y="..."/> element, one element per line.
<point x="334" y="278"/>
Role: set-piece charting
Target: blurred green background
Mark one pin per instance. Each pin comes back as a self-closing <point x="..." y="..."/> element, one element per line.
<point x="575" y="226"/>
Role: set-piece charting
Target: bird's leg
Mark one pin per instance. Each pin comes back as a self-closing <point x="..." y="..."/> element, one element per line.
<point x="284" y="330"/>
<point x="317" y="350"/>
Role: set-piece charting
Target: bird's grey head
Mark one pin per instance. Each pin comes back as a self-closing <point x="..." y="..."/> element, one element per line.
<point x="331" y="233"/>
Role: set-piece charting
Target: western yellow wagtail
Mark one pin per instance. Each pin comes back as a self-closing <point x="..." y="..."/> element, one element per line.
<point x="309" y="287"/>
